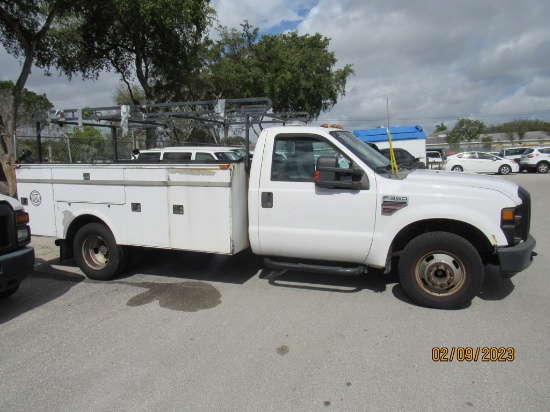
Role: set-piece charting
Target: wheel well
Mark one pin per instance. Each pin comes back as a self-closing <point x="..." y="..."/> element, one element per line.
<point x="467" y="231"/>
<point x="67" y="243"/>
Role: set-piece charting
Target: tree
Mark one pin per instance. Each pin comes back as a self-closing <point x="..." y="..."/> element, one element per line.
<point x="30" y="103"/>
<point x="24" y="30"/>
<point x="466" y="129"/>
<point x="440" y="127"/>
<point x="142" y="40"/>
<point x="296" y="72"/>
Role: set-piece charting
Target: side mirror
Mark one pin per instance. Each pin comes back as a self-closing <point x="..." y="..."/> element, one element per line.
<point x="327" y="174"/>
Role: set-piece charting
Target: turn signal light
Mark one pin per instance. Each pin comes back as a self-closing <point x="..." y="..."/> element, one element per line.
<point x="22" y="218"/>
<point x="507" y="215"/>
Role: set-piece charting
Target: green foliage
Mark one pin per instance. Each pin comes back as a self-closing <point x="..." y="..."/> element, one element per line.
<point x="296" y="72"/>
<point x="30" y="102"/>
<point x="466" y="130"/>
<point x="233" y="141"/>
<point x="142" y="40"/>
<point x="440" y="127"/>
<point x="532" y="125"/>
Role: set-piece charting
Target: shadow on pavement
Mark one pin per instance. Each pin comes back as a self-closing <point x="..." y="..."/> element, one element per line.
<point x="237" y="269"/>
<point x="44" y="285"/>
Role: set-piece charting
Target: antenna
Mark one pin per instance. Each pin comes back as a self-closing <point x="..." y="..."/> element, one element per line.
<point x="393" y="162"/>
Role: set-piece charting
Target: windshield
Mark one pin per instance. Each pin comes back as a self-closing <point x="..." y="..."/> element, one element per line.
<point x="362" y="150"/>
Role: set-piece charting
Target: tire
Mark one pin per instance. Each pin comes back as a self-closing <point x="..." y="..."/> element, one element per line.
<point x="440" y="270"/>
<point x="96" y="252"/>
<point x="457" y="169"/>
<point x="504" y="170"/>
<point x="542" y="167"/>
<point x="7" y="293"/>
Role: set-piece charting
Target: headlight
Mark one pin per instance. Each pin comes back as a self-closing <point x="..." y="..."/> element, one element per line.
<point x="23" y="235"/>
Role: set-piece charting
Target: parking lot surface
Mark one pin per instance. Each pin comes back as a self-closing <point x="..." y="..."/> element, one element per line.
<point x="192" y="332"/>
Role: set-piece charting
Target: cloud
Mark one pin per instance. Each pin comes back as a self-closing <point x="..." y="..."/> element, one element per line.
<point x="432" y="60"/>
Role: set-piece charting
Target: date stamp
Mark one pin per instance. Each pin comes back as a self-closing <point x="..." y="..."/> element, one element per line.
<point x="471" y="354"/>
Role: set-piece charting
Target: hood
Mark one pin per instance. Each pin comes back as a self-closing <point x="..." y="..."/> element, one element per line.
<point x="13" y="202"/>
<point x="437" y="178"/>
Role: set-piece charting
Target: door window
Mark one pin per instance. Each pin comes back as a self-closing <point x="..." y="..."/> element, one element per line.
<point x="295" y="158"/>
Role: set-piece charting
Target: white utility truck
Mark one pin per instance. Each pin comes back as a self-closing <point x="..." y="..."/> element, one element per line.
<point x="315" y="199"/>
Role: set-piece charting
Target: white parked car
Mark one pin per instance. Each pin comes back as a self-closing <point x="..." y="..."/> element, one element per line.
<point x="535" y="159"/>
<point x="185" y="153"/>
<point x="479" y="162"/>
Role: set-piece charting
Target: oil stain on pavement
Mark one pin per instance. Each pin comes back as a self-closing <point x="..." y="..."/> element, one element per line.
<point x="182" y="296"/>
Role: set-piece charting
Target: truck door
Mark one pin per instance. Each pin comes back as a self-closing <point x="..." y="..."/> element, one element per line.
<point x="297" y="218"/>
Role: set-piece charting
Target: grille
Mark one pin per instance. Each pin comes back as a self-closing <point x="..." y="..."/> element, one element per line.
<point x="8" y="234"/>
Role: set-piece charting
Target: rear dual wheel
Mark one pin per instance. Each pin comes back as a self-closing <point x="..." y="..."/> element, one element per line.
<point x="440" y="270"/>
<point x="97" y="253"/>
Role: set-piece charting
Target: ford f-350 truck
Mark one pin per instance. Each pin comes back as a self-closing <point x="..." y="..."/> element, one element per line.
<point x="315" y="199"/>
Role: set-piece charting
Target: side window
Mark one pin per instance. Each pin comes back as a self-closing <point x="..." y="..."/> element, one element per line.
<point x="294" y="158"/>
<point x="149" y="157"/>
<point x="204" y="156"/>
<point x="484" y="156"/>
<point x="545" y="151"/>
<point x="177" y="156"/>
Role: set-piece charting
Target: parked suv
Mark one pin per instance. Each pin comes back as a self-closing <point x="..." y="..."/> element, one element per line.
<point x="186" y="153"/>
<point x="512" y="153"/>
<point x="16" y="258"/>
<point x="535" y="159"/>
<point x="404" y="159"/>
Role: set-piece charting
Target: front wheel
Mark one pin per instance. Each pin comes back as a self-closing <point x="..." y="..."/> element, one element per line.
<point x="457" y="169"/>
<point x="505" y="170"/>
<point x="96" y="252"/>
<point x="440" y="270"/>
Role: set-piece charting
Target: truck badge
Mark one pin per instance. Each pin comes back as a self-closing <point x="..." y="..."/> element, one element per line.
<point x="35" y="197"/>
<point x="391" y="204"/>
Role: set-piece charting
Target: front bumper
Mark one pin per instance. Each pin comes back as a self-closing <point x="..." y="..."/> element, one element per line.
<point x="15" y="266"/>
<point x="514" y="259"/>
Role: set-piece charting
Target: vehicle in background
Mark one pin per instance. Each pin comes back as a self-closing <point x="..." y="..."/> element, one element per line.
<point x="512" y="153"/>
<point x="404" y="159"/>
<point x="434" y="159"/>
<point x="535" y="159"/>
<point x="16" y="258"/>
<point x="187" y="153"/>
<point x="479" y="162"/>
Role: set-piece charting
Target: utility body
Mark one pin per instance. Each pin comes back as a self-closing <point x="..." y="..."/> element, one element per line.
<point x="315" y="198"/>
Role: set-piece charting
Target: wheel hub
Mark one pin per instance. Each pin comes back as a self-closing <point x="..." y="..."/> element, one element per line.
<point x="440" y="273"/>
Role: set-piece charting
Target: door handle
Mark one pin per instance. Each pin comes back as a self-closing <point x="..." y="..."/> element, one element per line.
<point x="267" y="200"/>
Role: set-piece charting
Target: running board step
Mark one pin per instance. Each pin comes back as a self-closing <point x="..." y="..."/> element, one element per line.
<point x="304" y="267"/>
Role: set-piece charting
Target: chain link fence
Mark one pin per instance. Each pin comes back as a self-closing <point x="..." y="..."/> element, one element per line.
<point x="62" y="149"/>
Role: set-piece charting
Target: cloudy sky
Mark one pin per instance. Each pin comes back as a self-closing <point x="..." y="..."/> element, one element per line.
<point x="432" y="60"/>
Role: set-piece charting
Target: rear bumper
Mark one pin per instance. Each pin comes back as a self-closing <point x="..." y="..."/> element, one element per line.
<point x="514" y="259"/>
<point x="15" y="266"/>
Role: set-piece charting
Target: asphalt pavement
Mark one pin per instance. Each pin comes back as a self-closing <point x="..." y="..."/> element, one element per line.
<point x="193" y="332"/>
